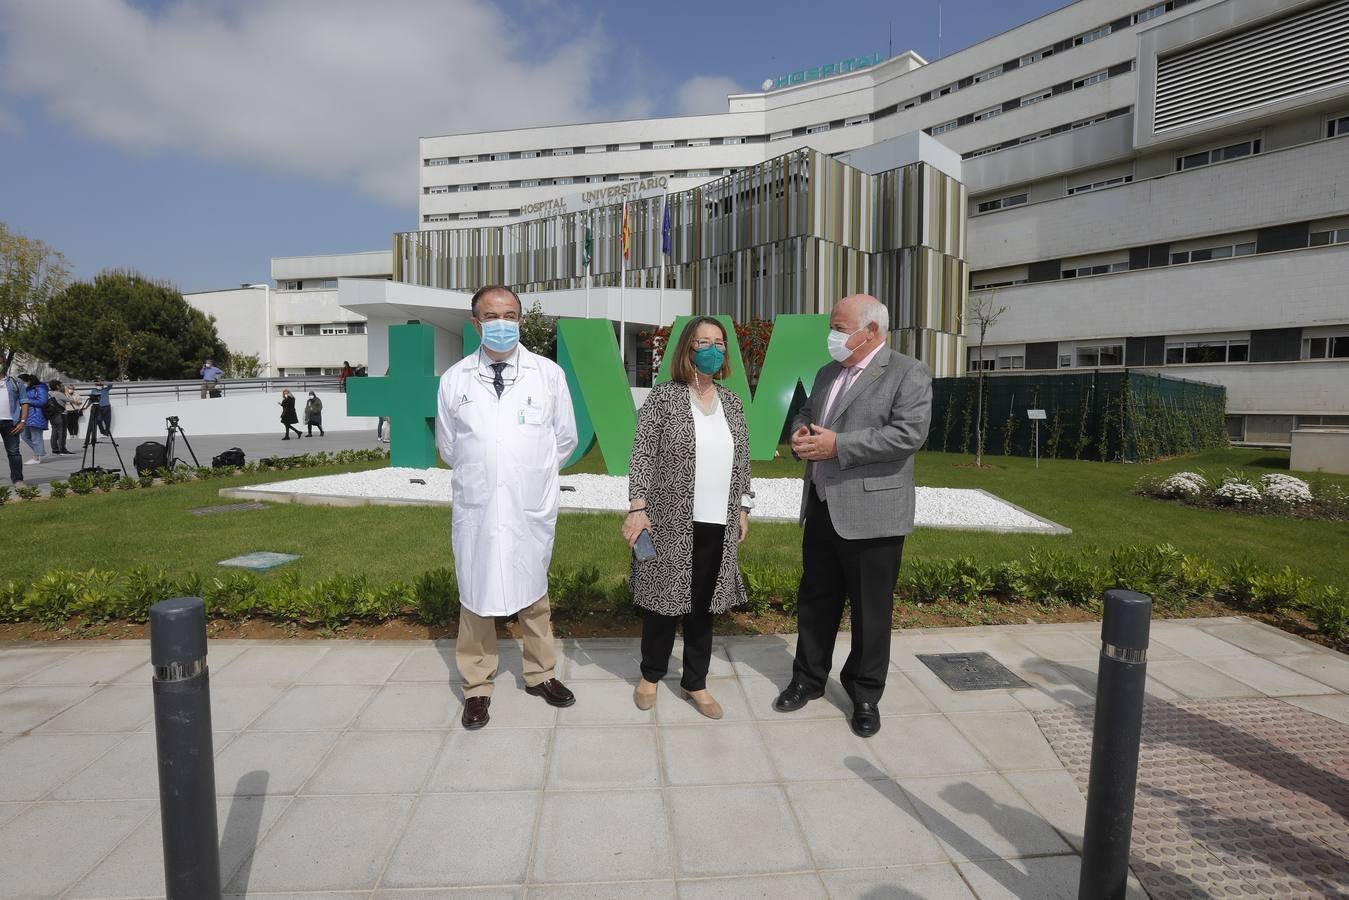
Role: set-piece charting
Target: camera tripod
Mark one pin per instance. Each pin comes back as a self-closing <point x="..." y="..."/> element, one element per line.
<point x="89" y="462"/>
<point x="174" y="428"/>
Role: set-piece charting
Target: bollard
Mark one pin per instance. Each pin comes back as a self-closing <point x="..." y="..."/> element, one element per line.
<point x="1115" y="740"/>
<point x="183" y="738"/>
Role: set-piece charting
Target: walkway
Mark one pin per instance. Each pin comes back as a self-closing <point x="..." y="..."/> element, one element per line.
<point x="342" y="772"/>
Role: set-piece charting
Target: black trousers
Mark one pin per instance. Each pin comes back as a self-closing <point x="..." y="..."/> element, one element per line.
<point x="834" y="569"/>
<point x="59" y="433"/>
<point x="658" y="631"/>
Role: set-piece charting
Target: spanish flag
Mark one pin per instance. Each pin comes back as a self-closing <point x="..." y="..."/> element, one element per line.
<point x="627" y="232"/>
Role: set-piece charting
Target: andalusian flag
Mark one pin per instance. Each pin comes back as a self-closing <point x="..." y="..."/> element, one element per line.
<point x="587" y="247"/>
<point x="627" y="232"/>
<point x="665" y="228"/>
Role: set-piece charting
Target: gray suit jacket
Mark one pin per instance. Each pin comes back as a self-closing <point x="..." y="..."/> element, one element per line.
<point x="881" y="423"/>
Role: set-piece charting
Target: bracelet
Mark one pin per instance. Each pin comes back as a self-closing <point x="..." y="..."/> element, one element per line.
<point x="641" y="509"/>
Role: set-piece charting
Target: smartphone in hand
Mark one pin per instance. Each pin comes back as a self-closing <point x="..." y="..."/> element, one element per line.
<point x="644" y="549"/>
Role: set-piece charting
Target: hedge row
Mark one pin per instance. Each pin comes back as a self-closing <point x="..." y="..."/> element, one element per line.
<point x="1047" y="579"/>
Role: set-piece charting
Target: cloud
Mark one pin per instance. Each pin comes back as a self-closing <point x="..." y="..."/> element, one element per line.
<point x="705" y="94"/>
<point x="334" y="89"/>
<point x="9" y="122"/>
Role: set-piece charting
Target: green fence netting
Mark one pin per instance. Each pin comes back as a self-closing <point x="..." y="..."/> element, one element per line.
<point x="1112" y="416"/>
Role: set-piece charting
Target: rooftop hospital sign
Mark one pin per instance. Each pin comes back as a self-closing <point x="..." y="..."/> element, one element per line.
<point x="828" y="70"/>
<point x="606" y="195"/>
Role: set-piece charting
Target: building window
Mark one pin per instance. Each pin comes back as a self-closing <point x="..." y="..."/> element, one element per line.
<point x="562" y="151"/>
<point x="1035" y="57"/>
<point x="1010" y="361"/>
<point x="730" y="141"/>
<point x="779" y="135"/>
<point x="698" y="173"/>
<point x="1065" y="360"/>
<point x="468" y="215"/>
<point x="468" y="159"/>
<point x="438" y="189"/>
<point x="529" y="154"/>
<point x="1097" y="185"/>
<point x="498" y="185"/>
<point x="1207" y="352"/>
<point x="1093" y="78"/>
<point x="1204" y="254"/>
<point x="1151" y="12"/>
<point x="438" y="161"/>
<point x="500" y="157"/>
<point x="356" y="327"/>
<point x="986" y="76"/>
<point x="856" y="120"/>
<point x="1086" y="271"/>
<point x="700" y="142"/>
<point x="943" y="127"/>
<point x="1329" y="236"/>
<point x="1221" y="154"/>
<point x="564" y="180"/>
<point x="816" y="129"/>
<point x="598" y="148"/>
<point x="1328" y="347"/>
<point x="1002" y="203"/>
<point x="1036" y="98"/>
<point x="499" y="213"/>
<point x="629" y="146"/>
<point x="529" y="182"/>
<point x="988" y="113"/>
<point x="467" y="188"/>
<point x="1093" y="35"/>
<point x="1337" y="127"/>
<point x="594" y="179"/>
<point x="437" y="217"/>
<point x="333" y="329"/>
<point x="663" y="145"/>
<point x="1098" y="355"/>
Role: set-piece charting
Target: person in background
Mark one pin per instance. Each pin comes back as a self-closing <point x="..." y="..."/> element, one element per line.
<point x="288" y="416"/>
<point x="74" y="409"/>
<point x="35" y="424"/>
<point x="102" y="417"/>
<point x="689" y="489"/>
<point x="210" y="378"/>
<point x="346" y="373"/>
<point x="56" y="394"/>
<point x="13" y="412"/>
<point x="313" y="414"/>
<point x="380" y="428"/>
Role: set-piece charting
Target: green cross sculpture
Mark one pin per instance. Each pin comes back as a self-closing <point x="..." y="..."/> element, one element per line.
<point x="407" y="395"/>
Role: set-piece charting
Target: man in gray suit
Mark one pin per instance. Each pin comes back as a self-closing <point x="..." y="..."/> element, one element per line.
<point x="866" y="417"/>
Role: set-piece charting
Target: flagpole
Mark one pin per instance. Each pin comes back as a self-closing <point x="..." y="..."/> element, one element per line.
<point x="622" y="291"/>
<point x="660" y="315"/>
<point x="586" y="230"/>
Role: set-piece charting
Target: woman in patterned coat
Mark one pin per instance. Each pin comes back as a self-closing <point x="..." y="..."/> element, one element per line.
<point x="689" y="486"/>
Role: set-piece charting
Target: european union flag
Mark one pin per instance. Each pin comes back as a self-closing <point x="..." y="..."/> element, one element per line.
<point x="665" y="229"/>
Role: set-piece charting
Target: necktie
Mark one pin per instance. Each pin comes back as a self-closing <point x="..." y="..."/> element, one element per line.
<point x="497" y="382"/>
<point x="845" y="382"/>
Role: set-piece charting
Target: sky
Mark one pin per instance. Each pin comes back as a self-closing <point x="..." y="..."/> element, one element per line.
<point x="194" y="140"/>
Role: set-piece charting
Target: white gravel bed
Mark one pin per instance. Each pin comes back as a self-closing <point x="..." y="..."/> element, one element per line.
<point x="775" y="498"/>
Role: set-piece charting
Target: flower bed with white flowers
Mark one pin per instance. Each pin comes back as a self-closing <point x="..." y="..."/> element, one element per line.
<point x="1272" y="494"/>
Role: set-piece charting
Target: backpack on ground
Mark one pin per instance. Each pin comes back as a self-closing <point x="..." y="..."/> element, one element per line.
<point x="150" y="458"/>
<point x="234" y="457"/>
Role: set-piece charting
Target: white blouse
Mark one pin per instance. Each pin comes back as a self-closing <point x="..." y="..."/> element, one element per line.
<point x="714" y="455"/>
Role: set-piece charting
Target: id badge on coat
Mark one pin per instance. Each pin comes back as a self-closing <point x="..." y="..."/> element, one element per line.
<point x="529" y="415"/>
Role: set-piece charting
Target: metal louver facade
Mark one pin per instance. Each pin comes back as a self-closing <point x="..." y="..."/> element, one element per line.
<point x="1295" y="56"/>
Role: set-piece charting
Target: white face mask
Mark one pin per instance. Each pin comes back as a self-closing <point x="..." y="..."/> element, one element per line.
<point x="838" y="345"/>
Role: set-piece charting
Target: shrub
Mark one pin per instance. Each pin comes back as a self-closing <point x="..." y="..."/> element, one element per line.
<point x="1009" y="580"/>
<point x="29" y="492"/>
<point x="5" y="493"/>
<point x="233" y="596"/>
<point x="58" y="489"/>
<point x="1241" y="576"/>
<point x="757" y="589"/>
<point x="146" y="479"/>
<point x="1328" y="610"/>
<point x="49" y="599"/>
<point x="204" y="472"/>
<point x="1183" y="484"/>
<point x="436" y="595"/>
<point x="127" y="483"/>
<point x="96" y="595"/>
<point x="1201" y="578"/>
<point x="1285" y="488"/>
<point x="962" y="580"/>
<point x="1284" y="589"/>
<point x="11" y="596"/>
<point x="1151" y="570"/>
<point x="1055" y="579"/>
<point x="575" y="592"/>
<point x="1235" y="491"/>
<point x="142" y="588"/>
<point x="82" y="484"/>
<point x="107" y="481"/>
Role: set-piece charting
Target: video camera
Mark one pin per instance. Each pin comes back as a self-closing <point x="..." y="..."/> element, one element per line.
<point x="170" y="421"/>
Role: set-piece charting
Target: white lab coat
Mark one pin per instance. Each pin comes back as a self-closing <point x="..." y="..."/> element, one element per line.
<point x="505" y="454"/>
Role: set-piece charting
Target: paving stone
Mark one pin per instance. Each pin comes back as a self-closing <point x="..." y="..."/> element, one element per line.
<point x="493" y="759"/>
<point x="47" y="761"/>
<point x="809" y="750"/>
<point x="906" y="647"/>
<point x="327" y="843"/>
<point x="925" y="745"/>
<point x="465" y="839"/>
<point x="25" y="707"/>
<point x="1044" y="878"/>
<point x="1056" y="645"/>
<point x="760" y="692"/>
<point x="270" y="763"/>
<point x="1261" y="640"/>
<point x="110" y="709"/>
<point x="770" y="658"/>
<point x="356" y="665"/>
<point x="1193" y="642"/>
<point x="945" y="700"/>
<point x="491" y="893"/>
<point x="620" y="890"/>
<point x="981" y="817"/>
<point x="1057" y="798"/>
<point x="601" y="663"/>
<point x="1196" y="680"/>
<point x="672" y="708"/>
<point x="413" y="705"/>
<point x="1325" y="668"/>
<point x="938" y="882"/>
<point x="602" y="836"/>
<point x="235" y="706"/>
<point x="1010" y="741"/>
<point x="738" y="830"/>
<point x="513" y="708"/>
<point x="129" y="771"/>
<point x="59" y="842"/>
<point x="270" y="664"/>
<point x="1334" y="707"/>
<point x="136" y="867"/>
<point x="597" y="758"/>
<point x="755" y="887"/>
<point x="318" y="707"/>
<point x="598" y="703"/>
<point x="1269" y="678"/>
<point x="729" y="754"/>
<point x="376" y="762"/>
<point x="18" y="663"/>
<point x="856" y="824"/>
<point x="92" y="666"/>
<point x="429" y="664"/>
<point x="10" y="810"/>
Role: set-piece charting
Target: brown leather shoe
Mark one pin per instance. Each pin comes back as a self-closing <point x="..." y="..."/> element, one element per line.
<point x="644" y="695"/>
<point x="553" y="692"/>
<point x="475" y="712"/>
<point x="704" y="702"/>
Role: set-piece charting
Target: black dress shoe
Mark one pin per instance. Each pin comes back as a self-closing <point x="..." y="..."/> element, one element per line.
<point x="795" y="696"/>
<point x="475" y="712"/>
<point x="553" y="692"/>
<point x="866" y="719"/>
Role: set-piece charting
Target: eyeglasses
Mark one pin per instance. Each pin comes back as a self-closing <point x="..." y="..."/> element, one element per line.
<point x="703" y="344"/>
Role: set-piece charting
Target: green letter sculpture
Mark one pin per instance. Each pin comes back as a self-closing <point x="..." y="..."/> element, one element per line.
<point x="407" y="395"/>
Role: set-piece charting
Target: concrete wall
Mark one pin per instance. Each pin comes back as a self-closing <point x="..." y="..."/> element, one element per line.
<point x="1320" y="450"/>
<point x="245" y="414"/>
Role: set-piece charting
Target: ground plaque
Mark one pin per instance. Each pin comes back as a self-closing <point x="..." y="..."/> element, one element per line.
<point x="229" y="507"/>
<point x="261" y="561"/>
<point x="970" y="671"/>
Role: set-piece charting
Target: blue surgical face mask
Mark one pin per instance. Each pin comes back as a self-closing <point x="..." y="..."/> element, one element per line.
<point x="500" y="335"/>
<point x="709" y="359"/>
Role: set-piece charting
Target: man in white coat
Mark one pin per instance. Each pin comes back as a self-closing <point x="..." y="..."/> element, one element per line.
<point x="504" y="423"/>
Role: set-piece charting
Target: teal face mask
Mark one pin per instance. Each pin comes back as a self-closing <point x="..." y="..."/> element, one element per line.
<point x="708" y="360"/>
<point x="500" y="334"/>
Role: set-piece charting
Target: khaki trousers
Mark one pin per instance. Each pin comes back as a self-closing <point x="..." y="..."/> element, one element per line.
<point x="476" y="649"/>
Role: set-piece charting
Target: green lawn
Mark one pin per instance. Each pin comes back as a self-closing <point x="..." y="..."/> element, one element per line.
<point x="154" y="527"/>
